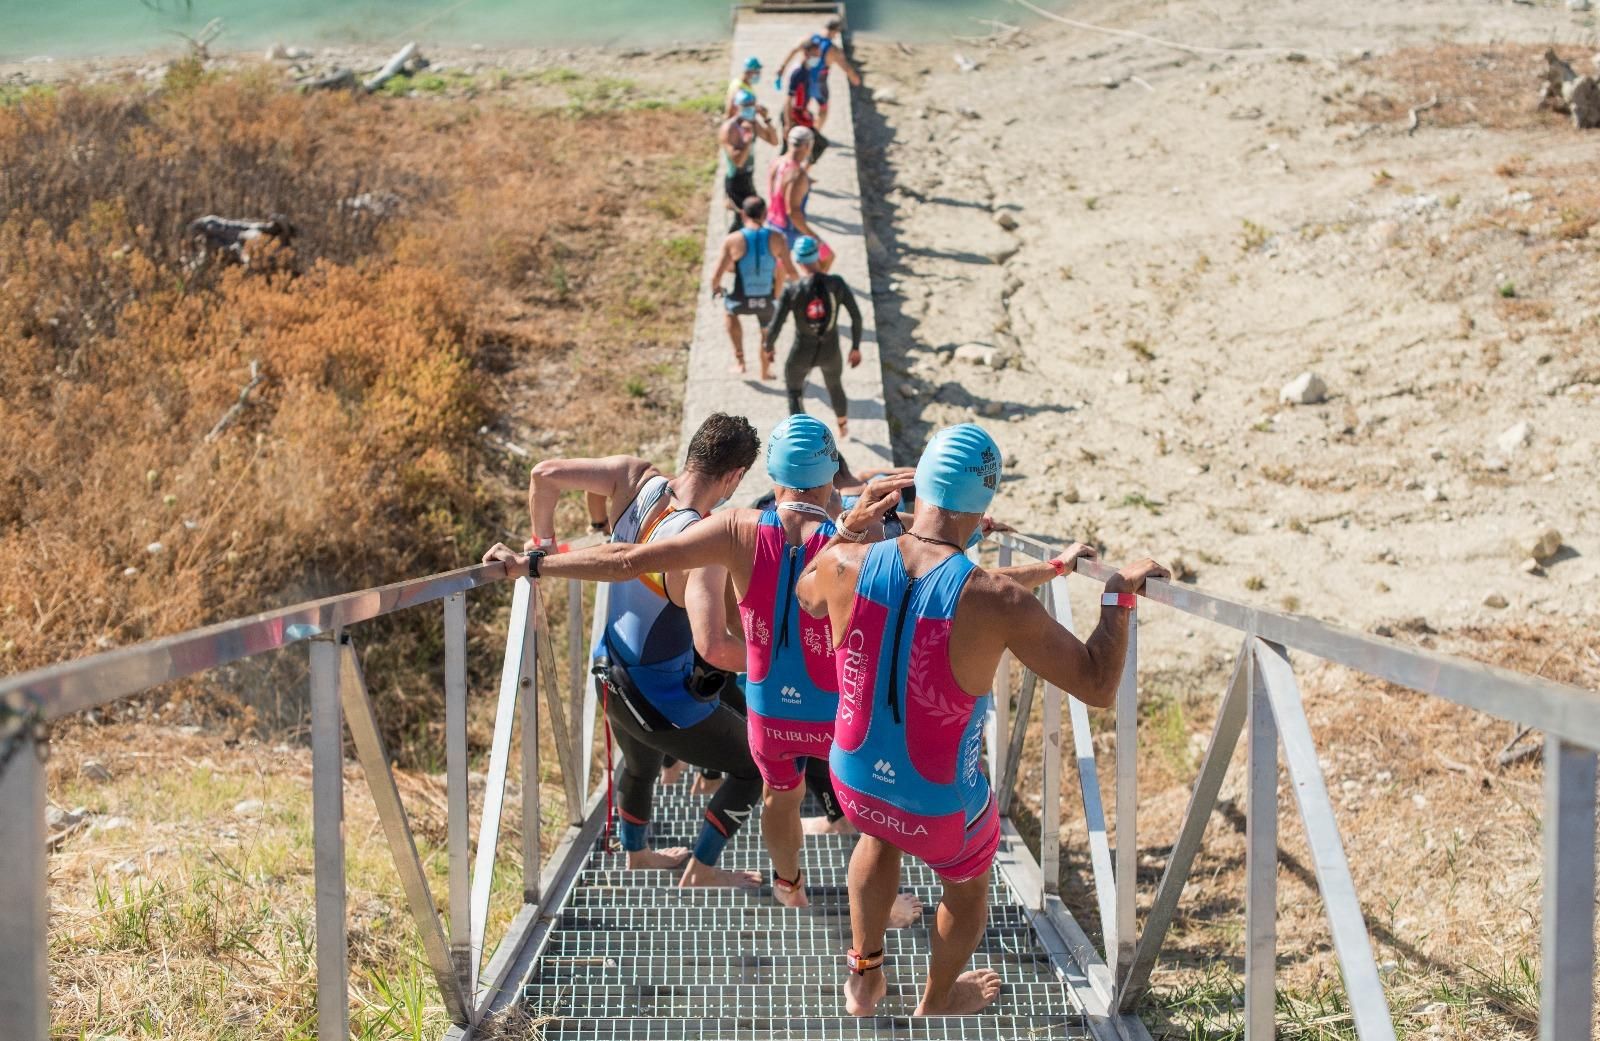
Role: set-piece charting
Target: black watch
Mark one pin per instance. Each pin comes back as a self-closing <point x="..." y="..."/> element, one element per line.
<point x="598" y="525"/>
<point x="534" y="556"/>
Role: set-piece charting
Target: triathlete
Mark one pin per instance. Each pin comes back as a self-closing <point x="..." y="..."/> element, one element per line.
<point x="759" y="258"/>
<point x="661" y="699"/>
<point x="792" y="687"/>
<point x="828" y="53"/>
<point x="788" y="191"/>
<point x="746" y="81"/>
<point x="737" y="137"/>
<point x="815" y="299"/>
<point x="797" y="99"/>
<point x="919" y="631"/>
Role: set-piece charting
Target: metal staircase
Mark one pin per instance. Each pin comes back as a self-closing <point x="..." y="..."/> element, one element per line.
<point x="632" y="956"/>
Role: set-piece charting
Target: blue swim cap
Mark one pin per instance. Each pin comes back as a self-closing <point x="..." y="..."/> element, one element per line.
<point x="752" y="64"/>
<point x="960" y="469"/>
<point x="801" y="453"/>
<point x="806" y="250"/>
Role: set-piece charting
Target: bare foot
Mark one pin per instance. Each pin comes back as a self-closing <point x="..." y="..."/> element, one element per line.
<point x="670" y="774"/>
<point x="737" y="368"/>
<point x="795" y="897"/>
<point x="658" y="858"/>
<point x="906" y="909"/>
<point x="972" y="992"/>
<point x="862" y="993"/>
<point x="704" y="785"/>
<point x="698" y="874"/>
<point x="824" y="826"/>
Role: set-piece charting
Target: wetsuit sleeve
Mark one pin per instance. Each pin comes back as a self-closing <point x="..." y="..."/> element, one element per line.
<point x="785" y="302"/>
<point x="849" y="300"/>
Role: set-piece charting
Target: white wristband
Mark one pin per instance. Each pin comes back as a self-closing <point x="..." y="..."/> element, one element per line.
<point x="1127" y="600"/>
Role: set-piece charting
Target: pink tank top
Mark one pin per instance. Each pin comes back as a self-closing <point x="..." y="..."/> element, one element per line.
<point x="777" y="203"/>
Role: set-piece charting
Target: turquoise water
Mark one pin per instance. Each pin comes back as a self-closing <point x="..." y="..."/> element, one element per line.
<point x="82" y="28"/>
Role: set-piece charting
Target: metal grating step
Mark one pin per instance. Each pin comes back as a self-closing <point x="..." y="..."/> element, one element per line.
<point x="581" y="943"/>
<point x="818" y="998"/>
<point x="912" y="874"/>
<point x="681" y="970"/>
<point x="875" y="1028"/>
<point x="751" y="917"/>
<point x="829" y="899"/>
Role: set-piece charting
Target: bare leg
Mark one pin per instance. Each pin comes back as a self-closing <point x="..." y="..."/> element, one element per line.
<point x="874" y="881"/>
<point x="703" y="785"/>
<point x="780" y="829"/>
<point x="957" y="928"/>
<point x="670" y="774"/>
<point x="736" y="335"/>
<point x="824" y="826"/>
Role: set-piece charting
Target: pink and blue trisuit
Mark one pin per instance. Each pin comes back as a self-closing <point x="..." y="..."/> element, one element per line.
<point x="791" y="689"/>
<point x="908" y="739"/>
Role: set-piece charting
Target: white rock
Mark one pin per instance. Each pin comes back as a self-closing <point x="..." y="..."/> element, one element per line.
<point x="1531" y="567"/>
<point x="1388" y="968"/>
<point x="1432" y="494"/>
<point x="975" y="354"/>
<point x="1120" y="377"/>
<point x="111" y="823"/>
<point x="249" y="806"/>
<point x="1305" y="389"/>
<point x="1540" y="543"/>
<point x="154" y="548"/>
<point x="277" y="52"/>
<point x="94" y="770"/>
<point x="1494" y="464"/>
<point x="296" y="53"/>
<point x="1514" y="437"/>
<point x="1494" y="600"/>
<point x="885" y="97"/>
<point x="55" y="818"/>
<point x="129" y="572"/>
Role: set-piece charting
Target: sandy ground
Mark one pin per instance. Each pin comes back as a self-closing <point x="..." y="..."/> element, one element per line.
<point x="1193" y="232"/>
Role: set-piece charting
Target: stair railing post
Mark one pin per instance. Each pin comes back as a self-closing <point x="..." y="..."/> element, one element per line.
<point x="458" y="813"/>
<point x="1261" y="860"/>
<point x="1119" y="953"/>
<point x="327" y="830"/>
<point x="1050" y="805"/>
<point x="24" y="898"/>
<point x="1566" y="998"/>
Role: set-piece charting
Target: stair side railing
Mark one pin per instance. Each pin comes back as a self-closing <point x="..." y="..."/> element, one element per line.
<point x="1263" y="704"/>
<point x="469" y="990"/>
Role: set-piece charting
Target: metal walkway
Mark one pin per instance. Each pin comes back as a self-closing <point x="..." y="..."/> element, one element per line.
<point x="632" y="956"/>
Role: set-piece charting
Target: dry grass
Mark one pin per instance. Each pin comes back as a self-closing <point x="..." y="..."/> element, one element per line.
<point x="1495" y="86"/>
<point x="1444" y="844"/>
<point x="519" y="255"/>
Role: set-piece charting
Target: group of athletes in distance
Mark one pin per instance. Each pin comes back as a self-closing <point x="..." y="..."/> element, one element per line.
<point x="770" y="241"/>
<point x="867" y="640"/>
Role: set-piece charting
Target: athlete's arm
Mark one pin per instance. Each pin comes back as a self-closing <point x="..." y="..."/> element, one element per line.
<point x="599" y="512"/>
<point x="769" y="336"/>
<point x="614" y="477"/>
<point x="787" y="58"/>
<point x="849" y="300"/>
<point x="836" y="57"/>
<point x="812" y="590"/>
<point x="785" y="269"/>
<point x="765" y="131"/>
<point x="701" y="544"/>
<point x="706" y="602"/>
<point x="1089" y="671"/>
<point x="1036" y="573"/>
<point x="725" y="262"/>
<point x="794" y="198"/>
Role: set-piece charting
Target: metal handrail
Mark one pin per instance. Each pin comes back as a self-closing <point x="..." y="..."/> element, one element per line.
<point x="1263" y="700"/>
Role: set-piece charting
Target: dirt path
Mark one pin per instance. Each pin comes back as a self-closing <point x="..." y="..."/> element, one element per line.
<point x="1193" y="232"/>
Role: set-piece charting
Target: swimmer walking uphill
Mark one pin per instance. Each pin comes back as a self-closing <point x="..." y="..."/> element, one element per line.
<point x="666" y="649"/>
<point x="919" y="631"/>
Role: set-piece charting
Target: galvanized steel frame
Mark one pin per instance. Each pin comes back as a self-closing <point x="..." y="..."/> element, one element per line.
<point x="1262" y="701"/>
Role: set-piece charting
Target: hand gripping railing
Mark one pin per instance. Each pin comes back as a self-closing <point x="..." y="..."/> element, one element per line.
<point x="31" y="701"/>
<point x="1263" y="700"/>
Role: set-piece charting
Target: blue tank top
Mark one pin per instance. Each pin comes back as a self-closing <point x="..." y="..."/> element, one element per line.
<point x="645" y="631"/>
<point x="753" y="273"/>
<point x="907" y="734"/>
<point x="788" y="654"/>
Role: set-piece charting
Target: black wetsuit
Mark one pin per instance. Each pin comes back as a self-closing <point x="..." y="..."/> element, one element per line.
<point x="816" y="301"/>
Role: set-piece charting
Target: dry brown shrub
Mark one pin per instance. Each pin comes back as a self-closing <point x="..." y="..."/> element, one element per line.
<point x="506" y="245"/>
